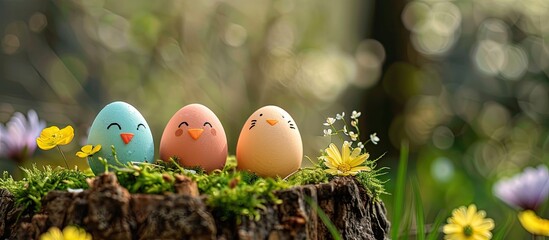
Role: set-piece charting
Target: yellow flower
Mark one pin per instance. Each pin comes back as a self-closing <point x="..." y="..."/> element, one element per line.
<point x="88" y="151"/>
<point x="69" y="233"/>
<point x="347" y="162"/>
<point x="53" y="136"/>
<point x="534" y="224"/>
<point x="467" y="223"/>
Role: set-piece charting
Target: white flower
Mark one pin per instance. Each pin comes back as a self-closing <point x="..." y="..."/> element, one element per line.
<point x="347" y="143"/>
<point x="339" y="117"/>
<point x="345" y="130"/>
<point x="374" y="138"/>
<point x="329" y="121"/>
<point x="353" y="135"/>
<point x="327" y="132"/>
<point x="360" y="145"/>
<point x="353" y="123"/>
<point x="355" y="115"/>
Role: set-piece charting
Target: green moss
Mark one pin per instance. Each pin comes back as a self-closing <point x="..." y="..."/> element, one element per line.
<point x="146" y="178"/>
<point x="29" y="191"/>
<point x="308" y="176"/>
<point x="371" y="182"/>
<point x="232" y="194"/>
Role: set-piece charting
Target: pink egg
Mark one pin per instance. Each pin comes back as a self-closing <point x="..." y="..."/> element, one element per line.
<point x="270" y="143"/>
<point x="196" y="137"/>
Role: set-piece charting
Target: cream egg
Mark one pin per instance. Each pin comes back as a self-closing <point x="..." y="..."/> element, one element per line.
<point x="270" y="143"/>
<point x="195" y="136"/>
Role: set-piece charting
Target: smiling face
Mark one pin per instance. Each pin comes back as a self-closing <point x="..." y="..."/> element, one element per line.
<point x="271" y="116"/>
<point x="270" y="143"/>
<point x="196" y="137"/>
<point x="120" y="125"/>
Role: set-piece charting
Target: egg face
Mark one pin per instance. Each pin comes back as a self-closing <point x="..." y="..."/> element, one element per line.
<point x="120" y="125"/>
<point x="196" y="137"/>
<point x="270" y="144"/>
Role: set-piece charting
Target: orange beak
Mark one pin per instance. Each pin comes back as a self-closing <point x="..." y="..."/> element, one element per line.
<point x="272" y="121"/>
<point x="195" y="132"/>
<point x="126" y="137"/>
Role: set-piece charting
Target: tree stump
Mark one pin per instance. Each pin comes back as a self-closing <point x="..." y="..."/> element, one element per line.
<point x="108" y="211"/>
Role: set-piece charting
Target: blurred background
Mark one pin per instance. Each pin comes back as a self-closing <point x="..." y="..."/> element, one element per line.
<point x="464" y="82"/>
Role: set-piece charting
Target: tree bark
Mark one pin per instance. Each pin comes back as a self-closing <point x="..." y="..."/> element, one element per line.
<point x="108" y="211"/>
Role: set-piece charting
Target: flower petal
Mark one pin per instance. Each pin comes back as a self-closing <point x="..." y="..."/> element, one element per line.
<point x="359" y="160"/>
<point x="67" y="134"/>
<point x="72" y="232"/>
<point x="82" y="154"/>
<point x="331" y="163"/>
<point x="87" y="148"/>
<point x="356" y="152"/>
<point x="45" y="141"/>
<point x="49" y="131"/>
<point x="360" y="168"/>
<point x="345" y="153"/>
<point x="44" y="144"/>
<point x="333" y="152"/>
<point x="96" y="149"/>
<point x="52" y="234"/>
<point x="534" y="224"/>
<point x="452" y="228"/>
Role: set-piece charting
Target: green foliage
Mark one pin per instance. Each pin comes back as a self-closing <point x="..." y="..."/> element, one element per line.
<point x="504" y="230"/>
<point x="420" y="218"/>
<point x="308" y="176"/>
<point x="434" y="231"/>
<point x="371" y="182"/>
<point x="146" y="178"/>
<point x="400" y="190"/>
<point x="37" y="183"/>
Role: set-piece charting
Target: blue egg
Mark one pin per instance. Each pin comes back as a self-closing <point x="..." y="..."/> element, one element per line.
<point x="120" y="125"/>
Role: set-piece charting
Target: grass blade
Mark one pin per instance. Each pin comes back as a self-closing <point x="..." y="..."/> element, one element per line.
<point x="435" y="228"/>
<point x="420" y="218"/>
<point x="325" y="219"/>
<point x="504" y="230"/>
<point x="400" y="188"/>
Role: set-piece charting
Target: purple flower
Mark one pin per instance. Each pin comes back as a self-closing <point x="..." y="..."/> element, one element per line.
<point x="526" y="190"/>
<point x="18" y="137"/>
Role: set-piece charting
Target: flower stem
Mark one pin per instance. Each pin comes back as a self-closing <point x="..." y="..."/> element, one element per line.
<point x="337" y="131"/>
<point x="64" y="158"/>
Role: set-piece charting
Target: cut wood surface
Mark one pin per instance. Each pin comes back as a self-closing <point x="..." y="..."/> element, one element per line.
<point x="109" y="211"/>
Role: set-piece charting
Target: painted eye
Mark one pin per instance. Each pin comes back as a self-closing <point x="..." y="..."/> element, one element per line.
<point x="292" y="126"/>
<point x="114" y="124"/>
<point x="207" y="123"/>
<point x="182" y="124"/>
<point x="254" y="121"/>
<point x="141" y="125"/>
<point x="261" y="114"/>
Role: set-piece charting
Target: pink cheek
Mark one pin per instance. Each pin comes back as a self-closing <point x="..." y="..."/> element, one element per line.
<point x="214" y="133"/>
<point x="178" y="132"/>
